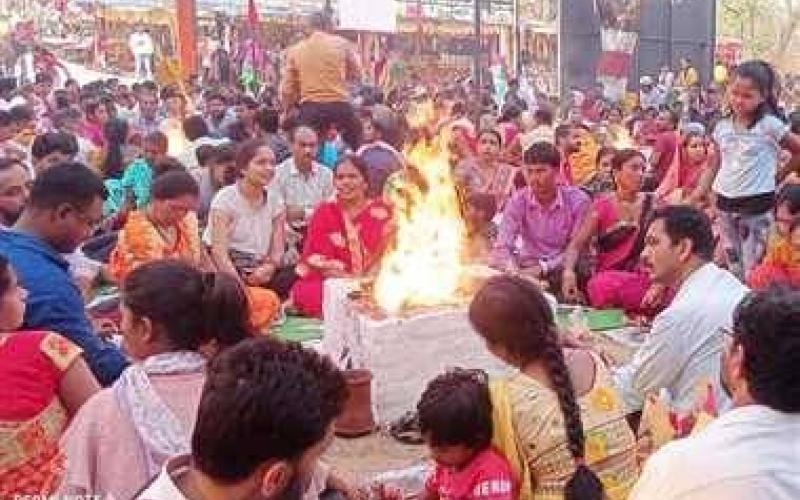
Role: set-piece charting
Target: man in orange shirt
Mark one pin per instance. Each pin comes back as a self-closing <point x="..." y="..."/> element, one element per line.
<point x="316" y="78"/>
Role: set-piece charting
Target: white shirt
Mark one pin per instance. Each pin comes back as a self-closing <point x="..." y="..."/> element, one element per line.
<point x="301" y="190"/>
<point x="748" y="158"/>
<point x="163" y="486"/>
<point x="140" y="43"/>
<point x="749" y="453"/>
<point x="251" y="227"/>
<point x="682" y="351"/>
<point x="653" y="99"/>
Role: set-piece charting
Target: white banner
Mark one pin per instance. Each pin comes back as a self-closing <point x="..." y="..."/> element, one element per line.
<point x="368" y="15"/>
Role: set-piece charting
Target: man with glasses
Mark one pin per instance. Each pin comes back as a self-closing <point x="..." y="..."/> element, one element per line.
<point x="751" y="452"/>
<point x="681" y="351"/>
<point x="64" y="209"/>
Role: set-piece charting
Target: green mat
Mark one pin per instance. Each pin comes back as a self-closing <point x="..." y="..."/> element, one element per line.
<point x="597" y="319"/>
<point x="297" y="329"/>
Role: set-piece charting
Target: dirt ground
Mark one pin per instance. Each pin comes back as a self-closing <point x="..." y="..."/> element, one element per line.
<point x="364" y="458"/>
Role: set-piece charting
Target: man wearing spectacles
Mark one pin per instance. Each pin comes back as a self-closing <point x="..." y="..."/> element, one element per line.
<point x="751" y="452"/>
<point x="64" y="209"/>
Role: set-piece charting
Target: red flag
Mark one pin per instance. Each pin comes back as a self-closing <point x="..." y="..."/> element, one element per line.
<point x="252" y="14"/>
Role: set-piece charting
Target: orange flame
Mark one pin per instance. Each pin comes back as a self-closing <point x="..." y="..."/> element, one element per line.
<point x="424" y="268"/>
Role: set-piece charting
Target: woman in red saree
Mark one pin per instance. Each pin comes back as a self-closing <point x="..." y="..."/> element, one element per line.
<point x="616" y="224"/>
<point x="43" y="382"/>
<point x="345" y="237"/>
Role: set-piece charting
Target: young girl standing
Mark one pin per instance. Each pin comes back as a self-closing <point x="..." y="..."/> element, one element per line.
<point x="743" y="172"/>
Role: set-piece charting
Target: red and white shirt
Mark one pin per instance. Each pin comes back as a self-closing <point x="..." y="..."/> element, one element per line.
<point x="488" y="477"/>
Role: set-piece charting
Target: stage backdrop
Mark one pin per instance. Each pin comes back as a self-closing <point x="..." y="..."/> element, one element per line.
<point x="669" y="30"/>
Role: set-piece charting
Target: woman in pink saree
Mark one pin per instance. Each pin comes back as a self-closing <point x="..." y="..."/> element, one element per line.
<point x="687" y="166"/>
<point x="617" y="223"/>
<point x="346" y="237"/>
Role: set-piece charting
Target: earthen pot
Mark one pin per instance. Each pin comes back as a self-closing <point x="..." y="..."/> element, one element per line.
<point x="356" y="419"/>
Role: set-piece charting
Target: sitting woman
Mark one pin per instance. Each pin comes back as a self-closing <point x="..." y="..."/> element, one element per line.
<point x="559" y="420"/>
<point x="246" y="226"/>
<point x="345" y="237"/>
<point x="164" y="229"/>
<point x="167" y="229"/>
<point x="602" y="181"/>
<point x="43" y="382"/>
<point x="121" y="437"/>
<point x="485" y="172"/>
<point x="687" y="167"/>
<point x="618" y="222"/>
<point x="781" y="264"/>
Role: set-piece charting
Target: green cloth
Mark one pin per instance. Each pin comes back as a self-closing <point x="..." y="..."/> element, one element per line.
<point x="136" y="180"/>
<point x="596" y="319"/>
<point x="298" y="329"/>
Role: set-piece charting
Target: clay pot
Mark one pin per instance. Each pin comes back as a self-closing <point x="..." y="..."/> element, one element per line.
<point x="356" y="419"/>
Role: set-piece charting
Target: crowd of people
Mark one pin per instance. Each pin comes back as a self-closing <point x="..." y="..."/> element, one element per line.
<point x="209" y="214"/>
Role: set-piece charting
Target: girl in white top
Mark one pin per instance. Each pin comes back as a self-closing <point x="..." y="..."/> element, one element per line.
<point x="746" y="168"/>
<point x="246" y="223"/>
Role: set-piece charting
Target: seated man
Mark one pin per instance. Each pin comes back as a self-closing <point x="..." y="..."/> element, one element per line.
<point x="380" y="156"/>
<point x="750" y="452"/>
<point x="265" y="417"/>
<point x="64" y="207"/>
<point x="544" y="216"/>
<point x="302" y="183"/>
<point x="682" y="351"/>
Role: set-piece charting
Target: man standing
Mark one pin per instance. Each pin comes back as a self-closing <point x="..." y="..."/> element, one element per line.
<point x="65" y="206"/>
<point x="141" y="45"/>
<point x="544" y="215"/>
<point x="318" y="70"/>
<point x="752" y="452"/>
<point x="302" y="182"/>
<point x="682" y="351"/>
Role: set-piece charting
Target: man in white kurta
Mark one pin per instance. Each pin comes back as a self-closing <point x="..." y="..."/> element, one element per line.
<point x="682" y="350"/>
<point x="752" y="452"/>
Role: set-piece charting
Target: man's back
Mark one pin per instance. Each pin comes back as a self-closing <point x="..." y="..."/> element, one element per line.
<point x="317" y="69"/>
<point x="751" y="453"/>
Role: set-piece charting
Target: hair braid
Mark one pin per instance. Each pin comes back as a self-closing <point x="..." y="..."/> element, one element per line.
<point x="584" y="484"/>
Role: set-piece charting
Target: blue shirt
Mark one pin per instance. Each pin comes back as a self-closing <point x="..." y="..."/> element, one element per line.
<point x="55" y="303"/>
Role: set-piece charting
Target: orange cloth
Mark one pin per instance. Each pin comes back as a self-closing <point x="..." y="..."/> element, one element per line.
<point x="317" y="70"/>
<point x="583" y="163"/>
<point x="781" y="265"/>
<point x="140" y="242"/>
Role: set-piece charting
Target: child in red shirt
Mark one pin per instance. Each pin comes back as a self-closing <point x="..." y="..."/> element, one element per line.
<point x="455" y="414"/>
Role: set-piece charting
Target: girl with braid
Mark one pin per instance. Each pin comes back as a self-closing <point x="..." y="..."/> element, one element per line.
<point x="558" y="420"/>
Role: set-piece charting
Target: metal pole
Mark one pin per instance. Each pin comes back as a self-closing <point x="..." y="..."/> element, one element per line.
<point x="478" y="48"/>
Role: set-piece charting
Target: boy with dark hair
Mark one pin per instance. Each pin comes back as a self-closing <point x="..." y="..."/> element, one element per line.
<point x="265" y="417"/>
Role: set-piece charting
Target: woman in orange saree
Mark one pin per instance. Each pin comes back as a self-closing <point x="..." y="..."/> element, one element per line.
<point x="168" y="229"/>
<point x="346" y="237"/>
